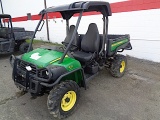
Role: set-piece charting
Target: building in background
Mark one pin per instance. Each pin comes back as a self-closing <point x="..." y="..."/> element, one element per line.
<point x="139" y="18"/>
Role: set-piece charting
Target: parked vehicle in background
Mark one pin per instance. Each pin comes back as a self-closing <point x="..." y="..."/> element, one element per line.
<point x="12" y="38"/>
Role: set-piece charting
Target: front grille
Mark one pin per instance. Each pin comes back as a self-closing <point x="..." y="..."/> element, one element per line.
<point x="22" y="65"/>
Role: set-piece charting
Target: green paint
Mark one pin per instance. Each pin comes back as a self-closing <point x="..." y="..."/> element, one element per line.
<point x="43" y="57"/>
<point x="76" y="76"/>
<point x="117" y="44"/>
<point x="69" y="63"/>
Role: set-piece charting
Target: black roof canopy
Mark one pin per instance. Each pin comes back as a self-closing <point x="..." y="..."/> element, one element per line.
<point x="5" y="16"/>
<point x="67" y="11"/>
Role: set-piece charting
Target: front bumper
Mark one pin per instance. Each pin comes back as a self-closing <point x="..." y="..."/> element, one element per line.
<point x="28" y="80"/>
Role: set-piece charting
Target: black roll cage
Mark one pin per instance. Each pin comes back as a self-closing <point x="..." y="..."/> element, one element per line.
<point x="9" y="19"/>
<point x="67" y="11"/>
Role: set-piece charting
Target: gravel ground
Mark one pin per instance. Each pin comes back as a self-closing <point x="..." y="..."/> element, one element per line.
<point x="136" y="96"/>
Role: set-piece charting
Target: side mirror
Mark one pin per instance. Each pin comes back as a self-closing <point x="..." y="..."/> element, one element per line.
<point x="41" y="25"/>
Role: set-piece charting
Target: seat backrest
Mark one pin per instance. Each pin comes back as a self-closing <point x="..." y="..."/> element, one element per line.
<point x="91" y="40"/>
<point x="69" y="36"/>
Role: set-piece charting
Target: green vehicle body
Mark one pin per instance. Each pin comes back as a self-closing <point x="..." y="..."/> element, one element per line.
<point x="43" y="57"/>
<point x="115" y="45"/>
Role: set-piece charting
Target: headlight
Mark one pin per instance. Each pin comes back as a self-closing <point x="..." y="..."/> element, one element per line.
<point x="43" y="73"/>
<point x="47" y="73"/>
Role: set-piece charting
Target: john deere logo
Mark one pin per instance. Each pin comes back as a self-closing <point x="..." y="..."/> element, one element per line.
<point x="35" y="56"/>
<point x="70" y="67"/>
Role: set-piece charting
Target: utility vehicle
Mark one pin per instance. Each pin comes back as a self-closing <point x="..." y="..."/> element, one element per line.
<point x="62" y="71"/>
<point x="12" y="38"/>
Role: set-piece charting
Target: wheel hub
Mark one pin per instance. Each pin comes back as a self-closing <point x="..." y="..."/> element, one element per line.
<point x="68" y="101"/>
<point x="122" y="67"/>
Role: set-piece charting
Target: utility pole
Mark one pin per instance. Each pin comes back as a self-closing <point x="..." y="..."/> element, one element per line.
<point x="2" y="10"/>
<point x="2" y="7"/>
<point x="47" y="27"/>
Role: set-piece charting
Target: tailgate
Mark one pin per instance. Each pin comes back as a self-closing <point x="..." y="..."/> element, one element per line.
<point x="118" y="43"/>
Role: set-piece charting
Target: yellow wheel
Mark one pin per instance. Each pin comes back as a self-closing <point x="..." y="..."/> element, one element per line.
<point x="118" y="66"/>
<point x="123" y="65"/>
<point x="63" y="99"/>
<point x="68" y="101"/>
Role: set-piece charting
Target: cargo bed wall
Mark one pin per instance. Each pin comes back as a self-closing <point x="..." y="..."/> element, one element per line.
<point x="23" y="35"/>
<point x="118" y="43"/>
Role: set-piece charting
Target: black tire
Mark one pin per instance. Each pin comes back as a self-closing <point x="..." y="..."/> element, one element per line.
<point x="24" y="47"/>
<point x="118" y="66"/>
<point x="62" y="93"/>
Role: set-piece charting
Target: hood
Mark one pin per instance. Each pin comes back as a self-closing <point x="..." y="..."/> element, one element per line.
<point x="42" y="57"/>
